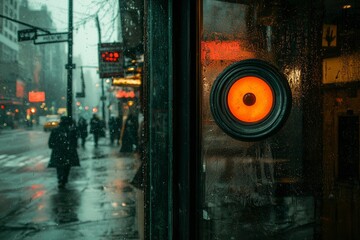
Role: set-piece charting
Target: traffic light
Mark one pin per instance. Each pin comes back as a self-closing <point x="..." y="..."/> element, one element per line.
<point x="33" y="110"/>
<point x="110" y="56"/>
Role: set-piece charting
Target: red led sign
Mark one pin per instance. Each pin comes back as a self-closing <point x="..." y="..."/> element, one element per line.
<point x="110" y="56"/>
<point x="111" y="60"/>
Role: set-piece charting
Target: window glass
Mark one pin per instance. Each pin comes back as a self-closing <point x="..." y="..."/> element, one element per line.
<point x="286" y="185"/>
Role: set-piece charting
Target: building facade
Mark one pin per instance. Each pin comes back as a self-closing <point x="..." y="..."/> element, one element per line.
<point x="44" y="63"/>
<point x="12" y="82"/>
<point x="26" y="67"/>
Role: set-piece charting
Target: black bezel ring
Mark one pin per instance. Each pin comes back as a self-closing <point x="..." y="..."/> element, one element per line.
<point x="272" y="122"/>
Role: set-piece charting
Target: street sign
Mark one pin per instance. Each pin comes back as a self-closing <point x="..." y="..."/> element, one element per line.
<point x="51" y="38"/>
<point x="26" y="35"/>
<point x="329" y="38"/>
<point x="80" y="94"/>
<point x="111" y="60"/>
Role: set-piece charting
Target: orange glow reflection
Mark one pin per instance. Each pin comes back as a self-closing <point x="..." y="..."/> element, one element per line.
<point x="38" y="194"/>
<point x="37" y="186"/>
<point x="224" y="50"/>
<point x="250" y="99"/>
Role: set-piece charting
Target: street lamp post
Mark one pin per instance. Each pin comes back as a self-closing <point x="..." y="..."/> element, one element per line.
<point x="70" y="64"/>
<point x="103" y="98"/>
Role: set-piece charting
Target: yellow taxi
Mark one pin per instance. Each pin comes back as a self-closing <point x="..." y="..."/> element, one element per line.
<point x="51" y="122"/>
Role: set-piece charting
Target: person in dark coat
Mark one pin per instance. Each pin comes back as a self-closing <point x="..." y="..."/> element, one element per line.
<point x="63" y="142"/>
<point x="82" y="130"/>
<point x="115" y="125"/>
<point x="95" y="128"/>
<point x="130" y="134"/>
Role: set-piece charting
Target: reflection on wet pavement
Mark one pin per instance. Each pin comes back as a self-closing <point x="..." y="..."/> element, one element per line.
<point x="98" y="153"/>
<point x="98" y="202"/>
<point x="64" y="205"/>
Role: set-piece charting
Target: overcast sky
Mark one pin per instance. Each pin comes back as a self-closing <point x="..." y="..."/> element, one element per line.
<point x="85" y="31"/>
<point x="85" y="34"/>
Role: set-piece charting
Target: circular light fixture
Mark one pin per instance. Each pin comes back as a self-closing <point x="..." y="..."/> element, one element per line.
<point x="250" y="100"/>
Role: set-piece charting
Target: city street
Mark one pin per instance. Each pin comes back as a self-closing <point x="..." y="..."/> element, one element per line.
<point x="98" y="202"/>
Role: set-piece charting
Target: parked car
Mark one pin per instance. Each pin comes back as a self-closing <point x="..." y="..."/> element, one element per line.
<point x="51" y="122"/>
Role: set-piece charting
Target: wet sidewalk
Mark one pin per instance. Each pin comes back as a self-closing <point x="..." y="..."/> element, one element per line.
<point x="98" y="202"/>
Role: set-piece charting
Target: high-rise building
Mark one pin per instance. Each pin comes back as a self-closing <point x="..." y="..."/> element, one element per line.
<point x="27" y="67"/>
<point x="12" y="83"/>
<point x="44" y="63"/>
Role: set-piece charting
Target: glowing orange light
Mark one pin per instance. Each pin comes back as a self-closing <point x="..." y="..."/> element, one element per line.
<point x="38" y="194"/>
<point x="36" y="96"/>
<point x="36" y="186"/>
<point x="250" y="99"/>
<point x="125" y="94"/>
<point x="225" y="50"/>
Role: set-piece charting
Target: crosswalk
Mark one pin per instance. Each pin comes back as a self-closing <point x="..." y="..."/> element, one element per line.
<point x="14" y="160"/>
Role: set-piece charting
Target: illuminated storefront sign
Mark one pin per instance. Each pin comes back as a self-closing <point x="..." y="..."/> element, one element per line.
<point x="125" y="94"/>
<point x="341" y="69"/>
<point x="130" y="82"/>
<point x="20" y="89"/>
<point x="36" y="96"/>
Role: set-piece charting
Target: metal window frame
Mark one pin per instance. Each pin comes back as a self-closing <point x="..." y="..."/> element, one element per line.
<point x="172" y="120"/>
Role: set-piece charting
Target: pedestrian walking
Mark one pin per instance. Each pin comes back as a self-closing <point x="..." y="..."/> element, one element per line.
<point x="115" y="125"/>
<point x="95" y="128"/>
<point x="63" y="142"/>
<point x="82" y="130"/>
<point x="129" y="140"/>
